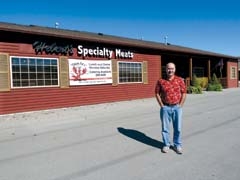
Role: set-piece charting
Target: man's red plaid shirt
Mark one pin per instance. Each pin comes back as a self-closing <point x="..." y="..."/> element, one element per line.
<point x="171" y="90"/>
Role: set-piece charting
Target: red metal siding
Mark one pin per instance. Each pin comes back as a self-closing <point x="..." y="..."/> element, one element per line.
<point x="31" y="99"/>
<point x="232" y="83"/>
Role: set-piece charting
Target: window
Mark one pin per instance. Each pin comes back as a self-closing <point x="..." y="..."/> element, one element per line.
<point x="130" y="72"/>
<point x="198" y="71"/>
<point x="34" y="72"/>
<point x="233" y="72"/>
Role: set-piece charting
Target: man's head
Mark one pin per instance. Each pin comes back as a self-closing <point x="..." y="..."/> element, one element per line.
<point x="170" y="69"/>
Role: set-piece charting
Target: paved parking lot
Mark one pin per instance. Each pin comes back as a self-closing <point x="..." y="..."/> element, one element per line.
<point x="122" y="140"/>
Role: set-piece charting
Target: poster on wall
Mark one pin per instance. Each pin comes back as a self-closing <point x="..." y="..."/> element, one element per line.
<point x="90" y="72"/>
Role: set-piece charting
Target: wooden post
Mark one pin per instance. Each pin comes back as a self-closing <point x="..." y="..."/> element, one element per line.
<point x="209" y="69"/>
<point x="190" y="68"/>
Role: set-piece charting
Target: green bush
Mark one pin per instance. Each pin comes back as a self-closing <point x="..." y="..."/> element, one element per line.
<point x="195" y="87"/>
<point x="214" y="79"/>
<point x="194" y="90"/>
<point x="203" y="82"/>
<point x="210" y="87"/>
<point x="195" y="81"/>
<point x="214" y="87"/>
<point x="214" y="84"/>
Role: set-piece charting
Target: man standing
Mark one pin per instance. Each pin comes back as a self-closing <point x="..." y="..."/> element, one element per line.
<point x="171" y="94"/>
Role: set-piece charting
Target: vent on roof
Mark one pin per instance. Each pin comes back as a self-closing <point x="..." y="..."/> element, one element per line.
<point x="56" y="25"/>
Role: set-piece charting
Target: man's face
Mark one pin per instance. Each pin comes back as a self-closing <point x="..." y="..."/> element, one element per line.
<point x="170" y="69"/>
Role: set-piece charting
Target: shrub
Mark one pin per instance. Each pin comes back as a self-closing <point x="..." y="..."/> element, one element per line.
<point x="195" y="81"/>
<point x="203" y="81"/>
<point x="214" y="84"/>
<point x="194" y="90"/>
<point x="214" y="79"/>
<point x="214" y="87"/>
<point x="195" y="87"/>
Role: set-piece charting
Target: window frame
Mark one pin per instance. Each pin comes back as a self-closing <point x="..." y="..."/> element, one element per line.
<point x="233" y="72"/>
<point x="198" y="71"/>
<point x="130" y="82"/>
<point x="28" y="72"/>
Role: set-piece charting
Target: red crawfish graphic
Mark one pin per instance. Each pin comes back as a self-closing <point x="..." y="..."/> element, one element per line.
<point x="78" y="71"/>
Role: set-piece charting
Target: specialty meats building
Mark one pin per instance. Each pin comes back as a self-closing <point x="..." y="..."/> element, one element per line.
<point x="45" y="68"/>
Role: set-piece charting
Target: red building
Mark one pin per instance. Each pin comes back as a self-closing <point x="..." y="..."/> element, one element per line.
<point x="44" y="68"/>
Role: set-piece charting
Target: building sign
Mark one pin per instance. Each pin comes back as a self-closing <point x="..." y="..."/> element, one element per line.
<point x="68" y="50"/>
<point x="53" y="48"/>
<point x="97" y="52"/>
<point x="90" y="72"/>
<point x="103" y="52"/>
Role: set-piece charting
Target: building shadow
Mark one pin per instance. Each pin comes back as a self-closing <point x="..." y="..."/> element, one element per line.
<point x="140" y="137"/>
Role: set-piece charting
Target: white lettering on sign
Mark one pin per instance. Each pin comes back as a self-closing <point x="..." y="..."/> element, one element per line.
<point x="123" y="54"/>
<point x="99" y="52"/>
<point x="103" y="52"/>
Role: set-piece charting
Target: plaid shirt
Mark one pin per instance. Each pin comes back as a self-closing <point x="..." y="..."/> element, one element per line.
<point x="171" y="90"/>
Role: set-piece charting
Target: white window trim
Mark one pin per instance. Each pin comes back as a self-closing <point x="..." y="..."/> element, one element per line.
<point x="129" y="82"/>
<point x="231" y="71"/>
<point x="10" y="59"/>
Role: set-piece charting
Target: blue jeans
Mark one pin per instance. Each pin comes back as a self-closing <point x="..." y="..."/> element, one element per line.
<point x="172" y="114"/>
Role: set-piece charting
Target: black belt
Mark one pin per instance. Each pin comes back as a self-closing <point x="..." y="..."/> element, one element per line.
<point x="166" y="104"/>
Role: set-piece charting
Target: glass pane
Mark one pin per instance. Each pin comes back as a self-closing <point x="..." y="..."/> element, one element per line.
<point x="25" y="83"/>
<point x="54" y="82"/>
<point x="47" y="62"/>
<point x="39" y="68"/>
<point x="33" y="83"/>
<point x="15" y="61"/>
<point x="120" y="74"/>
<point x="24" y="68"/>
<point x="53" y="68"/>
<point x="32" y="68"/>
<point x="40" y="76"/>
<point x="24" y="61"/>
<point x="33" y="76"/>
<point x="40" y="62"/>
<point x="54" y="75"/>
<point x="32" y="62"/>
<point x="47" y="82"/>
<point x="40" y="82"/>
<point x="47" y="76"/>
<point x="54" y="62"/>
<point x="47" y="69"/>
<point x="15" y="68"/>
<point x="16" y="83"/>
<point x="24" y="75"/>
<point x="16" y="76"/>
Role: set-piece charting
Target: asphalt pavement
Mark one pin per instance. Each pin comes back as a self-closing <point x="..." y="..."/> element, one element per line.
<point x="122" y="141"/>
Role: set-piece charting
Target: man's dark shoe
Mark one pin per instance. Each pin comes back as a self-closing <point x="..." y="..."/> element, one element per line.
<point x="178" y="150"/>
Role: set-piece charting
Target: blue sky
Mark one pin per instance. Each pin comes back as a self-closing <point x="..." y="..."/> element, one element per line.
<point x="207" y="24"/>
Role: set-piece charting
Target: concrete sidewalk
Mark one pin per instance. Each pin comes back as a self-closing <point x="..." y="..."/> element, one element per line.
<point x="122" y="141"/>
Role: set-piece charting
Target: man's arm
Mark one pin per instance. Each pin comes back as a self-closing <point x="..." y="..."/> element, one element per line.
<point x="157" y="94"/>
<point x="183" y="92"/>
<point x="183" y="98"/>
<point x="159" y="99"/>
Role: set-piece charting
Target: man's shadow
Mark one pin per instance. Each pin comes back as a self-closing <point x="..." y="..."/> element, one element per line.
<point x="140" y="137"/>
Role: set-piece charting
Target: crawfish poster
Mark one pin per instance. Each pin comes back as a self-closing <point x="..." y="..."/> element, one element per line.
<point x="90" y="72"/>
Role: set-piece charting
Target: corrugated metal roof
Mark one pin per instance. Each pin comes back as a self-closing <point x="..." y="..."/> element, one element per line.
<point x="102" y="38"/>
